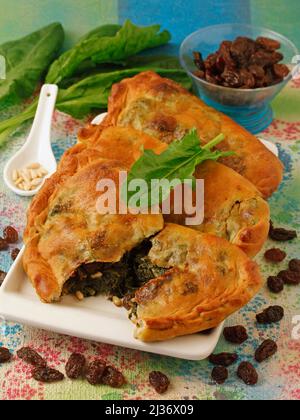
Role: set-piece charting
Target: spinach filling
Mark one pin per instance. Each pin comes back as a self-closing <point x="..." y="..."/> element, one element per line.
<point x="115" y="279"/>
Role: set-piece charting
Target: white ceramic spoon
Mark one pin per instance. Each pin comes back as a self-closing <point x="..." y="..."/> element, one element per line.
<point x="37" y="148"/>
<point x="271" y="146"/>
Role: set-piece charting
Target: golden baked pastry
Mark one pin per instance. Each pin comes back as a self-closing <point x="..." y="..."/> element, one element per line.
<point x="233" y="207"/>
<point x="65" y="230"/>
<point x="163" y="109"/>
<point x="178" y="282"/>
<point x="207" y="280"/>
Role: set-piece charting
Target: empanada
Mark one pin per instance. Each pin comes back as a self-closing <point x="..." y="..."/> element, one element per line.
<point x="207" y="280"/>
<point x="163" y="109"/>
<point x="233" y="207"/>
<point x="65" y="230"/>
<point x="178" y="282"/>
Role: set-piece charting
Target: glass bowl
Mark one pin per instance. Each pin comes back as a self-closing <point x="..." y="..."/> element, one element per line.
<point x="248" y="107"/>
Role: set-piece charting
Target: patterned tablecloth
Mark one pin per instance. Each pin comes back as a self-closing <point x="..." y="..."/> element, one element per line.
<point x="279" y="377"/>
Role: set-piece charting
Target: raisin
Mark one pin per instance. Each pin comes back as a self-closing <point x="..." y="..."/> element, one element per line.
<point x="268" y="43"/>
<point x="241" y="50"/>
<point x="113" y="378"/>
<point x="159" y="381"/>
<point x="5" y="355"/>
<point x="47" y="375"/>
<point x="294" y="265"/>
<point x="200" y="74"/>
<point x="10" y="235"/>
<point x="210" y="62"/>
<point x="2" y="277"/>
<point x="247" y="79"/>
<point x="270" y="315"/>
<point x="219" y="374"/>
<point x="14" y="254"/>
<point x="290" y="277"/>
<point x="95" y="371"/>
<point x="236" y="335"/>
<point x="75" y="366"/>
<point x="275" y="284"/>
<point x="281" y="70"/>
<point x="231" y="78"/>
<point x="247" y="373"/>
<point x="199" y="62"/>
<point x="275" y="255"/>
<point x="210" y="78"/>
<point x="30" y="356"/>
<point x="3" y="245"/>
<point x="127" y="301"/>
<point x="257" y="71"/>
<point x="223" y="359"/>
<point x="281" y="235"/>
<point x="266" y="350"/>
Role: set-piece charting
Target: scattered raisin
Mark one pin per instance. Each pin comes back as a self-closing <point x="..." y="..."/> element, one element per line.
<point x="294" y="265"/>
<point x="113" y="378"/>
<point x="275" y="284"/>
<point x="30" y="356"/>
<point x="2" y="277"/>
<point x="3" y="245"/>
<point x="223" y="359"/>
<point x="236" y="335"/>
<point x="270" y="315"/>
<point x="159" y="381"/>
<point x="14" y="254"/>
<point x="10" y="235"/>
<point x="95" y="371"/>
<point x="266" y="350"/>
<point x="290" y="277"/>
<point x="281" y="235"/>
<point x="75" y="366"/>
<point x="247" y="373"/>
<point x="47" y="375"/>
<point x="219" y="374"/>
<point x="5" y="355"/>
<point x="275" y="255"/>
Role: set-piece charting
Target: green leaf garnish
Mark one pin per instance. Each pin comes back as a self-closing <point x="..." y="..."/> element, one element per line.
<point x="177" y="164"/>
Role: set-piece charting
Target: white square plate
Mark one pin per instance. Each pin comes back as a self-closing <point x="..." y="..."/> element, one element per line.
<point x="95" y="319"/>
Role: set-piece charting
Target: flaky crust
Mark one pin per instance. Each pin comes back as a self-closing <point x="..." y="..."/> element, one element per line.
<point x="209" y="279"/>
<point x="65" y="230"/>
<point x="163" y="109"/>
<point x="233" y="207"/>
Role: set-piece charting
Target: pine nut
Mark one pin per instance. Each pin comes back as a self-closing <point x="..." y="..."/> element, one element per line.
<point x="15" y="175"/>
<point x="33" y="166"/>
<point x="79" y="296"/>
<point x="35" y="182"/>
<point x="117" y="301"/>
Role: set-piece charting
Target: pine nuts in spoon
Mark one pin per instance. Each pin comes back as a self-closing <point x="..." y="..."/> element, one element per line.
<point x="29" y="177"/>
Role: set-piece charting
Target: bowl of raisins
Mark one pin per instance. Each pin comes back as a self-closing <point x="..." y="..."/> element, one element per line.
<point x="239" y="69"/>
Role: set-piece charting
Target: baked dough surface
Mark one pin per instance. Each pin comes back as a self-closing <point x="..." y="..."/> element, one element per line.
<point x="233" y="208"/>
<point x="65" y="230"/>
<point x="163" y="109"/>
<point x="209" y="279"/>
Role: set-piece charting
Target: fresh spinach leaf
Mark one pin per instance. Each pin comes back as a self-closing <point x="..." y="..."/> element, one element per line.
<point x="92" y="93"/>
<point x="107" y="45"/>
<point x="177" y="162"/>
<point x="27" y="60"/>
